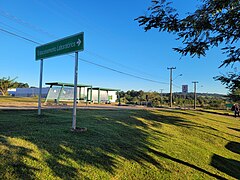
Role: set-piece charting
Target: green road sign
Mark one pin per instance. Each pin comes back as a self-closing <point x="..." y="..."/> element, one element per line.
<point x="66" y="45"/>
<point x="228" y="105"/>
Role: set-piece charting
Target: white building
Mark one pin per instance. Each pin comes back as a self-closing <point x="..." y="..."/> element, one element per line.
<point x="27" y="92"/>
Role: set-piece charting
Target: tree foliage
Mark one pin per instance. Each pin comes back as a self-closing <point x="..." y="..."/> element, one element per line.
<point x="232" y="82"/>
<point x="213" y="23"/>
<point x="7" y="83"/>
<point x="21" y="85"/>
<point x="156" y="99"/>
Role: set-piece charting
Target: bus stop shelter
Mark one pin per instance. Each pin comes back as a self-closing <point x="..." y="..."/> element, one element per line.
<point x="61" y="93"/>
<point x="99" y="90"/>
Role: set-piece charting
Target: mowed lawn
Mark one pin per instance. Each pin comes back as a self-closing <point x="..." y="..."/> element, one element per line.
<point x="10" y="99"/>
<point x="119" y="144"/>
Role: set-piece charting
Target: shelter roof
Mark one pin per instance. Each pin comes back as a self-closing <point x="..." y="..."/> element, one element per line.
<point x="66" y="84"/>
<point x="104" y="89"/>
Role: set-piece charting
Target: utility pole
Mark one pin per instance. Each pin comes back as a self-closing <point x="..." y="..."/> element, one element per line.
<point x="195" y="93"/>
<point x="171" y="68"/>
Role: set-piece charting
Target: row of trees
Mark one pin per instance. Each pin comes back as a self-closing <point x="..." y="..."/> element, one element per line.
<point x="144" y="98"/>
<point x="157" y="99"/>
<point x="7" y="83"/>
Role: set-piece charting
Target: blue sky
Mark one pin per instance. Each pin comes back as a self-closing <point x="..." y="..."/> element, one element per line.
<point x="112" y="38"/>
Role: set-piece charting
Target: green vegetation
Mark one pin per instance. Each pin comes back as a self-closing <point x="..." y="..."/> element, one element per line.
<point x="152" y="99"/>
<point x="119" y="144"/>
<point x="213" y="24"/>
<point x="7" y="83"/>
<point x="10" y="99"/>
<point x="204" y="100"/>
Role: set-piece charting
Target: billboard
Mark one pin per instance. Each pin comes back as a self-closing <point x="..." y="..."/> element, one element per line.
<point x="184" y="89"/>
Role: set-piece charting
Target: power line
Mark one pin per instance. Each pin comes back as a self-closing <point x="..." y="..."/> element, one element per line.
<point x="19" y="36"/>
<point x="42" y="31"/>
<point x="119" y="64"/>
<point x="177" y="86"/>
<point x="24" y="23"/>
<point x="138" y="77"/>
<point x="16" y="30"/>
<point x="84" y="60"/>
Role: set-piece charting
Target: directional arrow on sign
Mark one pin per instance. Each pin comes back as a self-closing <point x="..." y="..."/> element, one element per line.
<point x="71" y="44"/>
<point x="79" y="42"/>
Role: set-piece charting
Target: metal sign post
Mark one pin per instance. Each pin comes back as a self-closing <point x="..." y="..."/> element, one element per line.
<point x="40" y="88"/>
<point x="74" y="43"/>
<point x="75" y="92"/>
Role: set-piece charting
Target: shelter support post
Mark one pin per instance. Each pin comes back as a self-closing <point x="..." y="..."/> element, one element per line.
<point x="60" y="93"/>
<point x="91" y="95"/>
<point x="87" y="96"/>
<point x="48" y="94"/>
<point x="98" y="96"/>
<point x="118" y="96"/>
<point x="79" y="94"/>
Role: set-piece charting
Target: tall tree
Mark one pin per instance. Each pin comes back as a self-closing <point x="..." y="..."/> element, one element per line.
<point x="5" y="84"/>
<point x="21" y="85"/>
<point x="215" y="22"/>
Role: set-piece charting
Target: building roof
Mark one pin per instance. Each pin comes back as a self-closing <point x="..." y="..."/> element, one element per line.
<point x="104" y="89"/>
<point x="66" y="84"/>
<point x="80" y="85"/>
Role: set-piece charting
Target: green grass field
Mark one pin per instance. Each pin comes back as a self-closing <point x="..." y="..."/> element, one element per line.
<point x="7" y="99"/>
<point x="119" y="144"/>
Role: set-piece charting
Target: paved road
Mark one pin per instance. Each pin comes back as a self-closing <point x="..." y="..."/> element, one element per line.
<point x="29" y="107"/>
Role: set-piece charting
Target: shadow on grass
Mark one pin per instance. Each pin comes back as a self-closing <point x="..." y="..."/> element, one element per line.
<point x="112" y="135"/>
<point x="14" y="163"/>
<point x="184" y="112"/>
<point x="175" y="120"/>
<point x="235" y="129"/>
<point x="185" y="163"/>
<point x="228" y="166"/>
<point x="163" y="119"/>
<point x="234" y="147"/>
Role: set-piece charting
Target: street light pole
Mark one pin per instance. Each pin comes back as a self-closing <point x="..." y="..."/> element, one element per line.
<point x="195" y="93"/>
<point x="171" y="68"/>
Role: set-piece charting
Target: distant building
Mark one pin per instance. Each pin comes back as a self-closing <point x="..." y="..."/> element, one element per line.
<point x="27" y="92"/>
